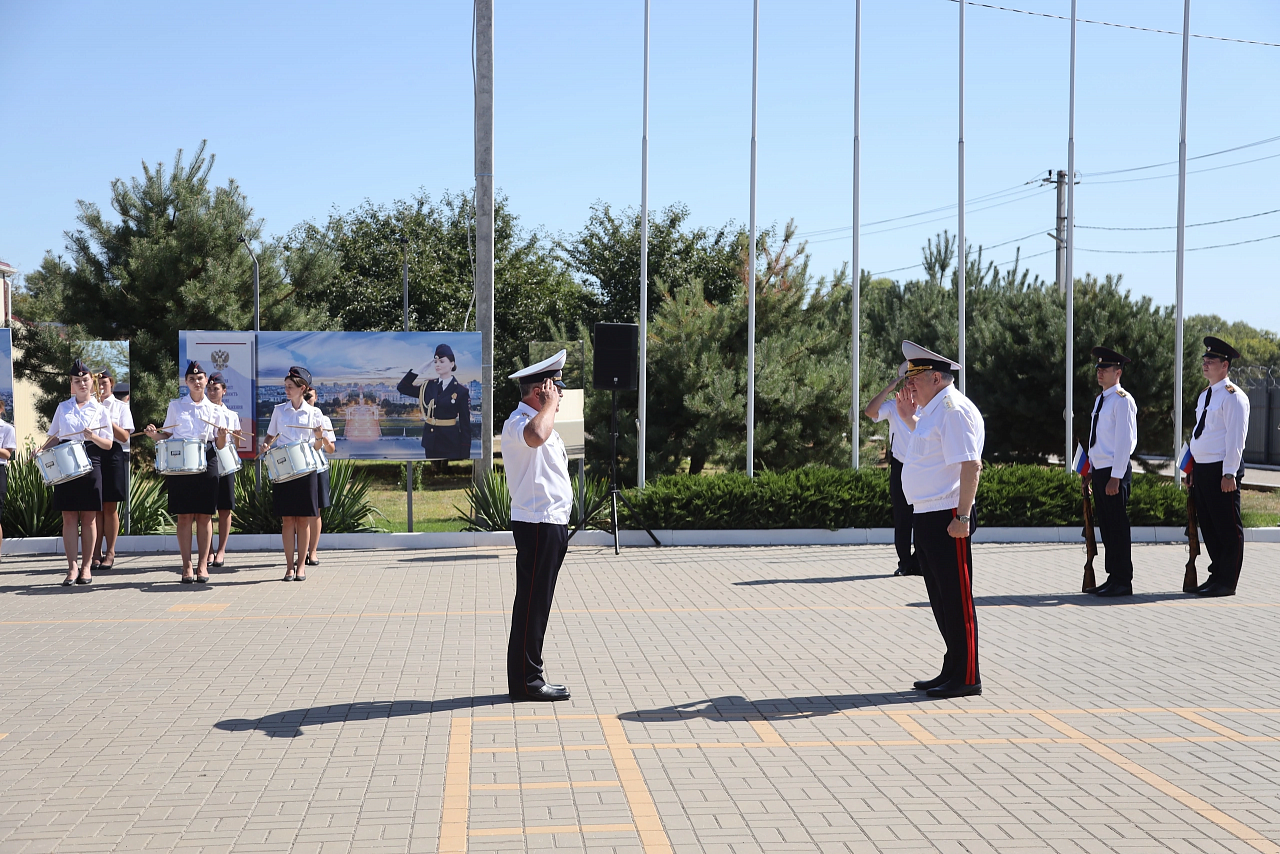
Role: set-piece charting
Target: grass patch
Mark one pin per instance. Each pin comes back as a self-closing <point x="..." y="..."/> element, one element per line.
<point x="1260" y="508"/>
<point x="433" y="506"/>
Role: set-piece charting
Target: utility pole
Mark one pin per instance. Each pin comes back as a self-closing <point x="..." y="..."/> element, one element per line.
<point x="1060" y="234"/>
<point x="484" y="225"/>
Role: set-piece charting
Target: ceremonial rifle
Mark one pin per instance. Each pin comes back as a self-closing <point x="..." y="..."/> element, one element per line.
<point x="1190" y="581"/>
<point x="1090" y="541"/>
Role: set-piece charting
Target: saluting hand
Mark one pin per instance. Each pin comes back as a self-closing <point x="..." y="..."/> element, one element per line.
<point x="906" y="404"/>
<point x="550" y="395"/>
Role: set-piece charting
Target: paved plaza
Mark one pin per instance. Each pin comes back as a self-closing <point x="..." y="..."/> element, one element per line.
<point x="724" y="700"/>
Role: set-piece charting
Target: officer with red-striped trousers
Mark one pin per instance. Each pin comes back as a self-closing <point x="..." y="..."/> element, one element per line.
<point x="940" y="480"/>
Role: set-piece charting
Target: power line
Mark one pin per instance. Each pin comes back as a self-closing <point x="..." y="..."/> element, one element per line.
<point x="1169" y="251"/>
<point x="975" y="200"/>
<point x="1169" y="227"/>
<point x="1119" y="26"/>
<point x="1189" y="172"/>
<point x="1001" y="264"/>
<point x="848" y="228"/>
<point x="1174" y="162"/>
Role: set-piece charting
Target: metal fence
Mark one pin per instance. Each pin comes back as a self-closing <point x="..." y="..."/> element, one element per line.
<point x="1262" y="447"/>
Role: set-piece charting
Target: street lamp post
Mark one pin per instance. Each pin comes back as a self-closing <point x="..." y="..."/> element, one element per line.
<point x="408" y="467"/>
<point x="257" y="462"/>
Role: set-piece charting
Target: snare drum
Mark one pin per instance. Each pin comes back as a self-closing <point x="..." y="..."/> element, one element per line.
<point x="181" y="456"/>
<point x="228" y="459"/>
<point x="323" y="459"/>
<point x="64" y="462"/>
<point x="291" y="461"/>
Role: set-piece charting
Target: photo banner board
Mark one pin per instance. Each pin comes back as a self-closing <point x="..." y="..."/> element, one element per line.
<point x="361" y="380"/>
<point x="6" y="373"/>
<point x="233" y="354"/>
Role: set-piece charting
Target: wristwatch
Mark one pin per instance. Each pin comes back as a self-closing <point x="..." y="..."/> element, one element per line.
<point x="964" y="519"/>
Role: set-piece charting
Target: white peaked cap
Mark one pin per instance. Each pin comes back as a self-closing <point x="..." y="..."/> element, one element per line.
<point x="926" y="359"/>
<point x="553" y="365"/>
<point x="902" y="369"/>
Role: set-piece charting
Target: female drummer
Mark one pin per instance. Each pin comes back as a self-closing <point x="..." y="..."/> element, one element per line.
<point x="215" y="390"/>
<point x="115" y="471"/>
<point x="193" y="498"/>
<point x="324" y="442"/>
<point x="296" y="501"/>
<point x="80" y="499"/>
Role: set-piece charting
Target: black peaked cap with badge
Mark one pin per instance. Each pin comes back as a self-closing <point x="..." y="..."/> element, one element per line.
<point x="1108" y="358"/>
<point x="1220" y="349"/>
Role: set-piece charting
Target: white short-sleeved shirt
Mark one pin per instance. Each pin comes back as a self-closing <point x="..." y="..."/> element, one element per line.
<point x="1117" y="433"/>
<point x="537" y="477"/>
<point x="291" y="425"/>
<point x="8" y="439"/>
<point x="327" y="423"/>
<point x="189" y="419"/>
<point x="120" y="416"/>
<point x="1225" y="426"/>
<point x="950" y="431"/>
<point x="899" y="432"/>
<point x="69" y="418"/>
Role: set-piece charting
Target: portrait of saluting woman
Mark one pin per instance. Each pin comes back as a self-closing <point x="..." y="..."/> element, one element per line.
<point x="445" y="406"/>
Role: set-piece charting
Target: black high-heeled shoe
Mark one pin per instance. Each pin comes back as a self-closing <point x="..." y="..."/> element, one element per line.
<point x="311" y="562"/>
<point x="288" y="574"/>
<point x="67" y="582"/>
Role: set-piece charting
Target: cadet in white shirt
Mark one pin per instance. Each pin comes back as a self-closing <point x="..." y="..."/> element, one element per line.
<point x="940" y="479"/>
<point x="1113" y="434"/>
<point x="883" y="408"/>
<point x="193" y="497"/>
<point x="324" y="444"/>
<point x="80" y="418"/>
<point x="1217" y="446"/>
<point x="537" y="467"/>
<point x="8" y="447"/>
<point x="115" y="471"/>
<point x="226" y="501"/>
<point x="296" y="501"/>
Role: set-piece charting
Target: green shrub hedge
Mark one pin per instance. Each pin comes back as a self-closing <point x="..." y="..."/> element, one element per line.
<point x="1008" y="496"/>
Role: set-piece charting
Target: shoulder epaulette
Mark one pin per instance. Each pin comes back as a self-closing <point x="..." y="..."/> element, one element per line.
<point x="1121" y="392"/>
<point x="1231" y="389"/>
<point x="947" y="402"/>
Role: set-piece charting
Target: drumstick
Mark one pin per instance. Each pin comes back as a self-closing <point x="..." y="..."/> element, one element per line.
<point x="235" y="433"/>
<point x="158" y="429"/>
<point x="79" y="432"/>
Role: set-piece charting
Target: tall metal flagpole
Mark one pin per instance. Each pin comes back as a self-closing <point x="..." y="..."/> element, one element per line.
<point x="484" y="224"/>
<point x="962" y="278"/>
<point x="408" y="467"/>
<point x="644" y="261"/>
<point x="1182" y="224"/>
<point x="855" y="413"/>
<point x="1068" y="412"/>
<point x="751" y="252"/>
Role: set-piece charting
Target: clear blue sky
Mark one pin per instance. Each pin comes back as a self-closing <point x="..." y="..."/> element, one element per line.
<point x="312" y="106"/>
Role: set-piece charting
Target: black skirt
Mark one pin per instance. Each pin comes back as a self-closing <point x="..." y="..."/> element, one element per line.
<point x="195" y="493"/>
<point x="115" y="474"/>
<point x="227" y="492"/>
<point x="323" y="478"/>
<point x="297" y="497"/>
<point x="84" y="492"/>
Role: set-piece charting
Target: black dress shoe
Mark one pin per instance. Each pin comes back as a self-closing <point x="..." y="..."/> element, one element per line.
<point x="1209" y="583"/>
<point x="955" y="688"/>
<point x="1214" y="590"/>
<point x="1116" y="588"/>
<point x="1101" y="587"/>
<point x="543" y="693"/>
<point x="926" y="684"/>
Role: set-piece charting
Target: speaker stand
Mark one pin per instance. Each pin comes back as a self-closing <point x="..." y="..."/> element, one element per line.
<point x="614" y="492"/>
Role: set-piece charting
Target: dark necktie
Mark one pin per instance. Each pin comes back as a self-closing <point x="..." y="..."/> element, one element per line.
<point x="1093" y="431"/>
<point x="1208" y="396"/>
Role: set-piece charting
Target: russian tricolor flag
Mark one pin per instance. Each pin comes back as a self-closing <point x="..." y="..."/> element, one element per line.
<point x="1080" y="462"/>
<point x="1185" y="461"/>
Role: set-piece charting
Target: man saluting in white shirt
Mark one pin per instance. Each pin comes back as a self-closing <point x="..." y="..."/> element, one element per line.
<point x="541" y="496"/>
<point x="940" y="481"/>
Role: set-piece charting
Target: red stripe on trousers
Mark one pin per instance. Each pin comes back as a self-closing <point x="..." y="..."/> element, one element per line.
<point x="966" y="601"/>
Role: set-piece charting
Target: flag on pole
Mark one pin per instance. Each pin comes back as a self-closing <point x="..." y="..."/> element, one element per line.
<point x="1080" y="462"/>
<point x="1185" y="461"/>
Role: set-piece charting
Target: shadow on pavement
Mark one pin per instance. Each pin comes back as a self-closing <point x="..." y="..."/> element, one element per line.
<point x="289" y="724"/>
<point x="1083" y="600"/>
<point x="731" y="708"/>
<point x="832" y="580"/>
<point x="446" y="557"/>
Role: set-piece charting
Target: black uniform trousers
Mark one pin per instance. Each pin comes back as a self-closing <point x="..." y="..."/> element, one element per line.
<point x="902" y="517"/>
<point x="1113" y="518"/>
<point x="540" y="549"/>
<point x="1220" y="522"/>
<point x="947" y="566"/>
